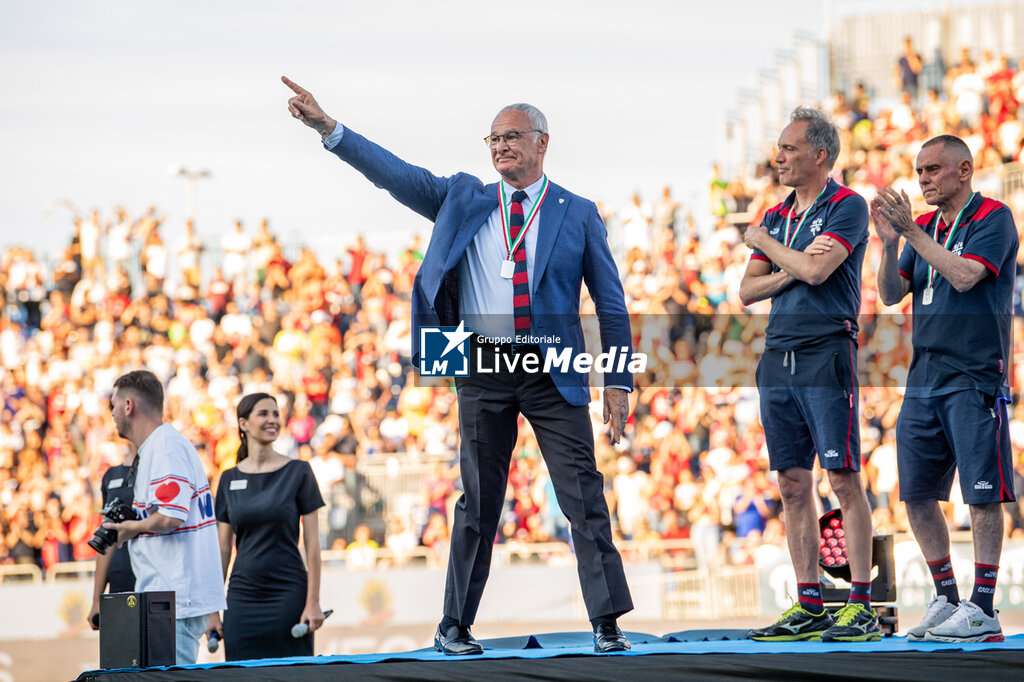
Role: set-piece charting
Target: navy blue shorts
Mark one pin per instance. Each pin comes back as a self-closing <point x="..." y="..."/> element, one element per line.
<point x="809" y="404"/>
<point x="965" y="431"/>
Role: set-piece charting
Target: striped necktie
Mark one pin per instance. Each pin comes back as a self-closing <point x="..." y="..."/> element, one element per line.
<point x="520" y="281"/>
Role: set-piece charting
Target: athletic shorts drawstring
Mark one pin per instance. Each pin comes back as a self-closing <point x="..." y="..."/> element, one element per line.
<point x="789" y="360"/>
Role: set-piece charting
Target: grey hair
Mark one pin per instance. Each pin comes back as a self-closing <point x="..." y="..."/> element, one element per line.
<point x="537" y="118"/>
<point x="953" y="145"/>
<point x="821" y="132"/>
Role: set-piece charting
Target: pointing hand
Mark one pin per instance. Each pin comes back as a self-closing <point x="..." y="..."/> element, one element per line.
<point x="305" y="108"/>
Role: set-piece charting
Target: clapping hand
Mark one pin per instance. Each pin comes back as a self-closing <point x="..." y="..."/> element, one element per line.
<point x="891" y="215"/>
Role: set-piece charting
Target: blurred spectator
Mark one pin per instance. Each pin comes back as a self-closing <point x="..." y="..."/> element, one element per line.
<point x="635" y="220"/>
<point x="190" y="249"/>
<point x="628" y="486"/>
<point x="235" y="246"/>
<point x="665" y="211"/>
<point x="436" y="538"/>
<point x="361" y="553"/>
<point x="968" y="94"/>
<point x="882" y="473"/>
<point x="751" y="510"/>
<point x="401" y="542"/>
<point x="908" y="69"/>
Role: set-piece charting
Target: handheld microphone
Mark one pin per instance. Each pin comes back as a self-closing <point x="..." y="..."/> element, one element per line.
<point x="300" y="629"/>
<point x="213" y="642"/>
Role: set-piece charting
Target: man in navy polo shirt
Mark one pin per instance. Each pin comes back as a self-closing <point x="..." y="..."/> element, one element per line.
<point x="959" y="261"/>
<point x="807" y="377"/>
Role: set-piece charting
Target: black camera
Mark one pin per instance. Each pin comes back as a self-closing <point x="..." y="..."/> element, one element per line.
<point x="116" y="511"/>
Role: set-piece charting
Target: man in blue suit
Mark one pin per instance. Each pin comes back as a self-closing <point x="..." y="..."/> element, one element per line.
<point x="510" y="257"/>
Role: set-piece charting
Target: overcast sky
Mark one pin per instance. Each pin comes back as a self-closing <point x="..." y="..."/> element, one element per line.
<point x="97" y="99"/>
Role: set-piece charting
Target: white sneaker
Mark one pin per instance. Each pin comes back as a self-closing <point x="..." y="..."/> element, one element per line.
<point x="938" y="611"/>
<point x="967" y="624"/>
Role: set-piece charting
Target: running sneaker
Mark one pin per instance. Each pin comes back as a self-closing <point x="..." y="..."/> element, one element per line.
<point x="854" y="623"/>
<point x="967" y="624"/>
<point x="796" y="624"/>
<point x="938" y="611"/>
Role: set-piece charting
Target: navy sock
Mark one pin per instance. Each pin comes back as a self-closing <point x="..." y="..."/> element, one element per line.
<point x="860" y="593"/>
<point x="985" y="587"/>
<point x="594" y="622"/>
<point x="448" y="622"/>
<point x="945" y="581"/>
<point x="809" y="596"/>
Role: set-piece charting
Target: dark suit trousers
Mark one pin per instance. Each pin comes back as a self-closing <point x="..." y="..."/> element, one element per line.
<point x="489" y="406"/>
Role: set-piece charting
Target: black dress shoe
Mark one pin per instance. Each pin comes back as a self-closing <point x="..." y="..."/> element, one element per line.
<point x="608" y="637"/>
<point x="459" y="641"/>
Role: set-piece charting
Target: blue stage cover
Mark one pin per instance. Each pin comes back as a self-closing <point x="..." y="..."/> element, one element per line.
<point x="690" y="652"/>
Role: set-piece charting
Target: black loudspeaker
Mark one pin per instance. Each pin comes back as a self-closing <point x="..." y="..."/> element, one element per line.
<point x="137" y="630"/>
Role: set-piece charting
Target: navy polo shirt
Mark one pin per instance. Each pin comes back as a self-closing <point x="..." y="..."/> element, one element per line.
<point x="803" y="315"/>
<point x="962" y="340"/>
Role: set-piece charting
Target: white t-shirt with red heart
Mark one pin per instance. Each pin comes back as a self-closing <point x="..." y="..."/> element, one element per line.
<point x="171" y="480"/>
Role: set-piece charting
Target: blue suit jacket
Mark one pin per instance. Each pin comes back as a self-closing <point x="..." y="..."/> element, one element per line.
<point x="572" y="247"/>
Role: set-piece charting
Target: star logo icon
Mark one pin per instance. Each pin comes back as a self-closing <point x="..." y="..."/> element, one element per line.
<point x="455" y="338"/>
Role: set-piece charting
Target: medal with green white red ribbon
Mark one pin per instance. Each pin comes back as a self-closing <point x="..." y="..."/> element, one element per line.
<point x="508" y="266"/>
<point x="788" y="241"/>
<point x="929" y="291"/>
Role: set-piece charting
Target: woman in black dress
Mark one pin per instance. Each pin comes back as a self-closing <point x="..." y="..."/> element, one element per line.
<point x="259" y="504"/>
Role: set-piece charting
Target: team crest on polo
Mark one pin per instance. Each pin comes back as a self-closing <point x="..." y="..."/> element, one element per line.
<point x="816" y="226"/>
<point x="444" y="351"/>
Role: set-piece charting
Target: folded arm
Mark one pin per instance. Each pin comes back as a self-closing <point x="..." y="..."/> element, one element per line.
<point x="759" y="282"/>
<point x="812" y="268"/>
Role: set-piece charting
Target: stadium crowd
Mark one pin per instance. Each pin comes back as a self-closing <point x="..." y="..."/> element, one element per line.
<point x="332" y="339"/>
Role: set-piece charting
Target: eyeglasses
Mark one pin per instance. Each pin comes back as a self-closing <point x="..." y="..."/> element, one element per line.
<point x="511" y="137"/>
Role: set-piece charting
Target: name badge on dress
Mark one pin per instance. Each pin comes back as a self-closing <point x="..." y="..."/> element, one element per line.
<point x="238" y="484"/>
<point x="115" y="483"/>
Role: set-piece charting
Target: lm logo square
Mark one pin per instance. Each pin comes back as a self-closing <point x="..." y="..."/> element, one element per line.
<point x="444" y="351"/>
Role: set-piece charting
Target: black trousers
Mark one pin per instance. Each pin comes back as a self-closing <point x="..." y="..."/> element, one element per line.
<point x="489" y="407"/>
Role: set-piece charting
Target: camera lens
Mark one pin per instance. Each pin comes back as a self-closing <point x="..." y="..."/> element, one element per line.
<point x="102" y="539"/>
<point x="116" y="511"/>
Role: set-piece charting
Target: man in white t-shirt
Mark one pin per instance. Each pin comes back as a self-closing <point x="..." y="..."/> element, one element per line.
<point x="235" y="248"/>
<point x="174" y="541"/>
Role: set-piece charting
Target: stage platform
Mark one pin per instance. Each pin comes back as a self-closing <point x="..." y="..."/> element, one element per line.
<point x="695" y="654"/>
